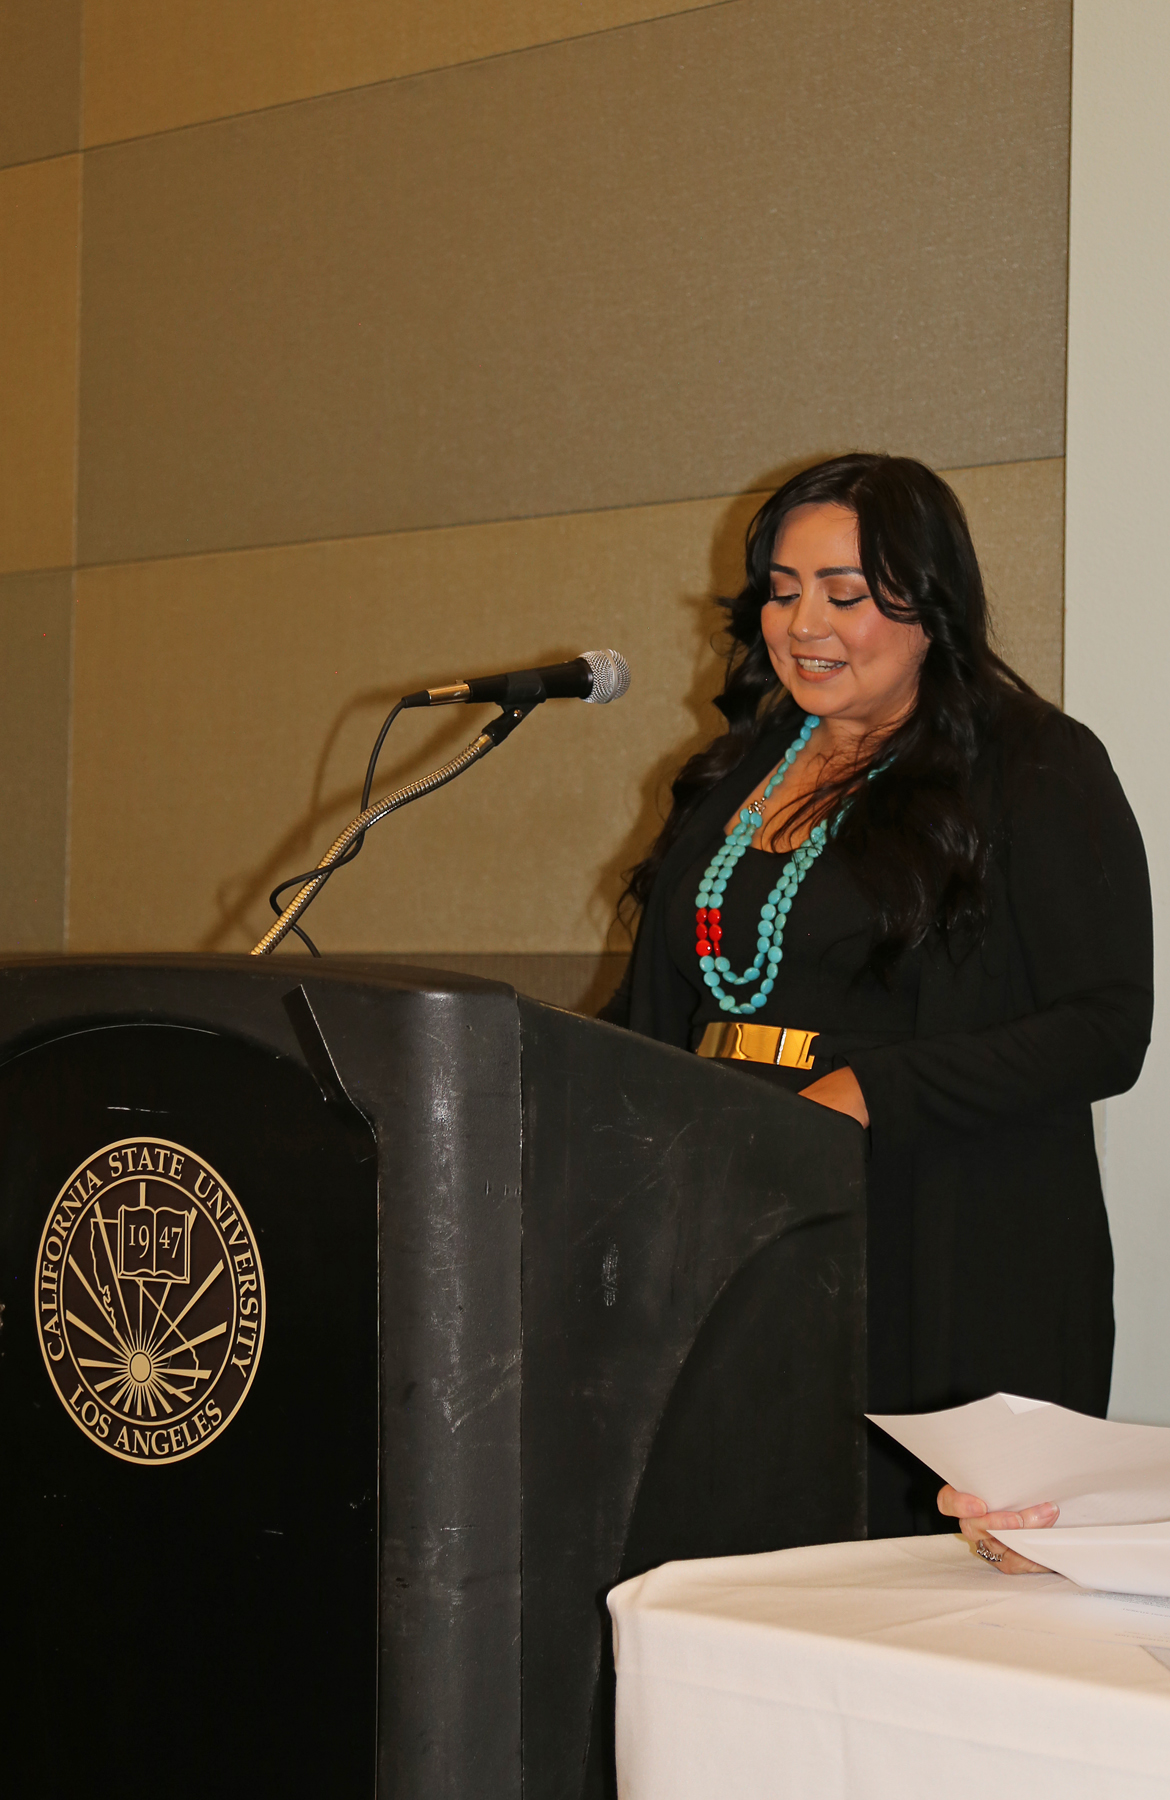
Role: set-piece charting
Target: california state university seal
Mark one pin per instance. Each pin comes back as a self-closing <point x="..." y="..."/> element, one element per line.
<point x="149" y="1301"/>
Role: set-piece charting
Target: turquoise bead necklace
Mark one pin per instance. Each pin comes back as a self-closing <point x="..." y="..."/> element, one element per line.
<point x="774" y="912"/>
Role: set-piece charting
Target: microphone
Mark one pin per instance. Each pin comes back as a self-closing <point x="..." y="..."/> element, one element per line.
<point x="597" y="676"/>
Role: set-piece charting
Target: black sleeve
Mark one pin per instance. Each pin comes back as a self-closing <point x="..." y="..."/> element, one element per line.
<point x="1078" y="895"/>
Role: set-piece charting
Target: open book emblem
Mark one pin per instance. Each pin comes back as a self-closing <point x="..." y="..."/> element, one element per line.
<point x="154" y="1243"/>
<point x="150" y="1300"/>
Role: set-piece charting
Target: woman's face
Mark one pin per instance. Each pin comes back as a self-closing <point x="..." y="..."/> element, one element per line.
<point x="837" y="655"/>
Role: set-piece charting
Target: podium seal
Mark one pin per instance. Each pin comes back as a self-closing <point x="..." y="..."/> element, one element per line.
<point x="149" y="1301"/>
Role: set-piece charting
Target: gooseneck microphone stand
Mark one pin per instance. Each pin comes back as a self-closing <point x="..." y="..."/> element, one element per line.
<point x="491" y="735"/>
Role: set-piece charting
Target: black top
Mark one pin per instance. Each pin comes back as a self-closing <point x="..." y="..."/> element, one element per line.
<point x="990" y="1261"/>
<point x="822" y="984"/>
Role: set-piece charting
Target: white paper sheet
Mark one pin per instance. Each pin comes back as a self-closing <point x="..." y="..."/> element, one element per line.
<point x="1014" y="1452"/>
<point x="1071" y="1611"/>
<point x="1124" y="1559"/>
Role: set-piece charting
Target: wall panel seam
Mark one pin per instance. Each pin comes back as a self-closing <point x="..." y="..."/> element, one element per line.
<point x="76" y="522"/>
<point x="81" y="80"/>
<point x="582" y="512"/>
<point x="67" y="860"/>
<point x="31" y="162"/>
<point x="365" y="87"/>
<point x="41" y="569"/>
<point x="67" y="822"/>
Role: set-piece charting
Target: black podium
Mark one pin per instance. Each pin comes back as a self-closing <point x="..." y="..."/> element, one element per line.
<point x="361" y="1327"/>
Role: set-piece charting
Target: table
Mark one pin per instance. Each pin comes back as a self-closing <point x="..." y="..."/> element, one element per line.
<point x="872" y="1670"/>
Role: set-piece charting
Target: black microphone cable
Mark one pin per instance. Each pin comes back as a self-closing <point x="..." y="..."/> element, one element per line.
<point x="596" y="676"/>
<point x="299" y="880"/>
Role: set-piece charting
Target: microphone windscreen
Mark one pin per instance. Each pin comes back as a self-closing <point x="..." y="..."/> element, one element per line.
<point x="611" y="675"/>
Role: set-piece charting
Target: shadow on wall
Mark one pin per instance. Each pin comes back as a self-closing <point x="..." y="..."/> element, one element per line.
<point x="237" y="898"/>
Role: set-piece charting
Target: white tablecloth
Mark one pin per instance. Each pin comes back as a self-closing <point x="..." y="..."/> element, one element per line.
<point x="877" y="1670"/>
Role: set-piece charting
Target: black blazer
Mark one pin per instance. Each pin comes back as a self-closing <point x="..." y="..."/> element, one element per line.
<point x="990" y="1259"/>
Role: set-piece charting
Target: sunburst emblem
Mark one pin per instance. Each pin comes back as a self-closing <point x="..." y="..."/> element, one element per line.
<point x="150" y="1300"/>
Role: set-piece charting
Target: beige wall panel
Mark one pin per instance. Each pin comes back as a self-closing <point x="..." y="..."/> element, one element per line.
<point x="225" y="706"/>
<point x="640" y="266"/>
<point x="36" y="622"/>
<point x="1016" y="514"/>
<point x="39" y="215"/>
<point x="150" y="67"/>
<point x="40" y="78"/>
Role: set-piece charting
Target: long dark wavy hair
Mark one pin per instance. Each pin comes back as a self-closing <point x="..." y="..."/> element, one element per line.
<point x="909" y="831"/>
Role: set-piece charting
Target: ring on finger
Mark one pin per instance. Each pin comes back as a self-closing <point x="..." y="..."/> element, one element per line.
<point x="983" y="1549"/>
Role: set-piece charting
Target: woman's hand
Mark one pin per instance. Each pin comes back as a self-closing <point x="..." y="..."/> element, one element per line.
<point x="978" y="1525"/>
<point x="841" y="1091"/>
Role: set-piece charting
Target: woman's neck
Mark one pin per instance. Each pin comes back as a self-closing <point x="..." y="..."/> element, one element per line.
<point x="846" y="743"/>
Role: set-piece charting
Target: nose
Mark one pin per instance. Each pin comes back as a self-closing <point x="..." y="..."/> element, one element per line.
<point x="808" y="620"/>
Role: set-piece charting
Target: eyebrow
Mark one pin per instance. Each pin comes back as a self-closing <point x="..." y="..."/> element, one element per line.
<point x="841" y="569"/>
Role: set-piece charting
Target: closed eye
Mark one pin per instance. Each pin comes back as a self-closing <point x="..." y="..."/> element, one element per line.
<point x="784" y="599"/>
<point x="842" y="605"/>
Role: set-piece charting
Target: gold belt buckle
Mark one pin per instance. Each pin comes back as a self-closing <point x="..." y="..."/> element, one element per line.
<point x="782" y="1045"/>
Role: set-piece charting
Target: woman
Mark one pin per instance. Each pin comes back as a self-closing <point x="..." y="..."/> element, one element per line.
<point x="905" y="886"/>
